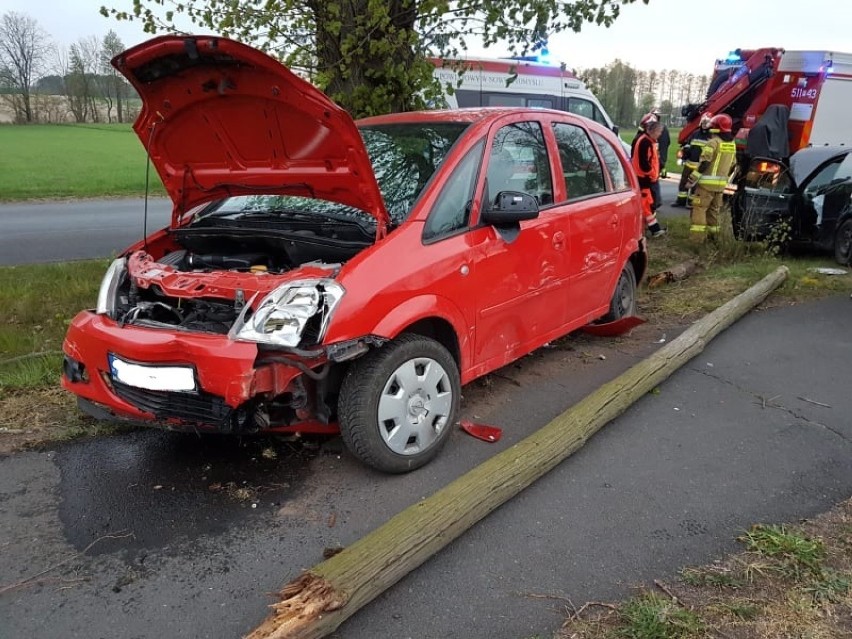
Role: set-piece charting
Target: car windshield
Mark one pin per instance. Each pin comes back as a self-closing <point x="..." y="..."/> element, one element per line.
<point x="404" y="156"/>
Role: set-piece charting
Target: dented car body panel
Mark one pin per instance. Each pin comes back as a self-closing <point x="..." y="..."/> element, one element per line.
<point x="264" y="299"/>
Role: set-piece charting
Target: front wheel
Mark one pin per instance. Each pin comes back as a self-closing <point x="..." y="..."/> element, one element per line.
<point x="398" y="404"/>
<point x="623" y="302"/>
<point x="843" y="243"/>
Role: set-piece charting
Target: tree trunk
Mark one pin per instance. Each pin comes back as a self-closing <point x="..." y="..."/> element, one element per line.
<point x="355" y="73"/>
<point x="319" y="600"/>
<point x="118" y="91"/>
<point x="28" y="111"/>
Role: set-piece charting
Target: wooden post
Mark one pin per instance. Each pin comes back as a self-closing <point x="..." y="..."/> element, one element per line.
<point x="319" y="600"/>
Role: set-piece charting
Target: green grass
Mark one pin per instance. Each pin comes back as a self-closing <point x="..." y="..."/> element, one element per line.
<point x="771" y="598"/>
<point x="740" y="609"/>
<point x="728" y="268"/>
<point x="795" y="553"/>
<point x="708" y="577"/>
<point x="38" y="302"/>
<point x="87" y="160"/>
<point x="650" y="616"/>
<point x="831" y="587"/>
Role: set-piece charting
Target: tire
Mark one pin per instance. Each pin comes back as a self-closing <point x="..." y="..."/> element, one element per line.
<point x="843" y="243"/>
<point x="398" y="404"/>
<point x="623" y="302"/>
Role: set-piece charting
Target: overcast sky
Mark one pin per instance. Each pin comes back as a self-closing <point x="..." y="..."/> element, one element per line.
<point x="678" y="34"/>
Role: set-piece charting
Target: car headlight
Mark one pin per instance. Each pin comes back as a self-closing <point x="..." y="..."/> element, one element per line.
<point x="108" y="292"/>
<point x="284" y="316"/>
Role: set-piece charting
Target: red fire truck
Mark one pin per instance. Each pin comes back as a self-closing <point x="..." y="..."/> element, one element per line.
<point x="792" y="182"/>
<point x="814" y="86"/>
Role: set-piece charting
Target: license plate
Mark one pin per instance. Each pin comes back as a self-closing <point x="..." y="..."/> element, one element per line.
<point x="152" y="377"/>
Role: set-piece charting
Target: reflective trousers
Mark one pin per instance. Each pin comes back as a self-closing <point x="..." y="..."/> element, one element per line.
<point x="705" y="212"/>
<point x="649" y="206"/>
<point x="683" y="194"/>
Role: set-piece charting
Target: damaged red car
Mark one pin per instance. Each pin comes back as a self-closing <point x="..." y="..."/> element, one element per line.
<point x="321" y="275"/>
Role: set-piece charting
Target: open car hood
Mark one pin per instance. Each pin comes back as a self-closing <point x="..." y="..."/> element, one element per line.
<point x="220" y="118"/>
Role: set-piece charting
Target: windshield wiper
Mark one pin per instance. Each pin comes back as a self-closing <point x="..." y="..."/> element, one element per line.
<point x="314" y="218"/>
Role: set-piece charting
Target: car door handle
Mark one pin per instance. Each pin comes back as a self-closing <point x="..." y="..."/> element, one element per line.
<point x="613" y="221"/>
<point x="559" y="240"/>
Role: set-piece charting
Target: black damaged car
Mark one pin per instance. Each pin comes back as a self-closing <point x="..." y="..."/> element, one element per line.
<point x="806" y="202"/>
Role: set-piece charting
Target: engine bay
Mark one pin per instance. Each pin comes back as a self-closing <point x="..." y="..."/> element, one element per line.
<point x="204" y="285"/>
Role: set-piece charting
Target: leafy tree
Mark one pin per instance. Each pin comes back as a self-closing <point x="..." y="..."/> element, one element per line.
<point x="674" y="78"/>
<point x="646" y="103"/>
<point x="23" y="49"/>
<point x="83" y="83"/>
<point x="615" y="86"/>
<point x="667" y="110"/>
<point x="50" y="85"/>
<point x="114" y="85"/>
<point x="371" y="55"/>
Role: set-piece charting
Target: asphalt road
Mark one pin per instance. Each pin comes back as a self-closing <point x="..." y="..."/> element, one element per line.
<point x="84" y="229"/>
<point x="55" y="231"/>
<point x="730" y="440"/>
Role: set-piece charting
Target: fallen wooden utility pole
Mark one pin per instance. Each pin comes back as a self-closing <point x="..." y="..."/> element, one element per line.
<point x="319" y="600"/>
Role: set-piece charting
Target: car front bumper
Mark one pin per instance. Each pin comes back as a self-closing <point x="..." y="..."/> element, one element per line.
<point x="229" y="384"/>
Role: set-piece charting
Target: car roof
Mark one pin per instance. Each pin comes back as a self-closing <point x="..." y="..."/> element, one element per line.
<point x="469" y="115"/>
<point x="804" y="161"/>
<point x="473" y="115"/>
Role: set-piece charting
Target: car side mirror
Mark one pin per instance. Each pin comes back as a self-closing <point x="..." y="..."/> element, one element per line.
<point x="510" y="208"/>
<point x="615" y="129"/>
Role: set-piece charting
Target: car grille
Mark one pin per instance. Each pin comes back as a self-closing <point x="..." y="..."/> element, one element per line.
<point x="197" y="408"/>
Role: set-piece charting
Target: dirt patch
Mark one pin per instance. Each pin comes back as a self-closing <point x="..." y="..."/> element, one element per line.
<point x="34" y="417"/>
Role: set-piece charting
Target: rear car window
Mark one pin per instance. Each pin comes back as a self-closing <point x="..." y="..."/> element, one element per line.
<point x="614" y="167"/>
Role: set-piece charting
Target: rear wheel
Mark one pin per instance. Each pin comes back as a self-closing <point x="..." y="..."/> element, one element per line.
<point x="623" y="302"/>
<point x="398" y="404"/>
<point x="843" y="243"/>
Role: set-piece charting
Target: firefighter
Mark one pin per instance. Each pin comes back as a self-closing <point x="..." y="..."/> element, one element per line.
<point x="710" y="178"/>
<point x="648" y="117"/>
<point x="664" y="142"/>
<point x="646" y="163"/>
<point x="691" y="154"/>
<point x="655" y="188"/>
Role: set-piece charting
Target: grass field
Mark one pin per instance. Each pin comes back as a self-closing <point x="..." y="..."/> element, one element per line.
<point x="38" y="302"/>
<point x="56" y="161"/>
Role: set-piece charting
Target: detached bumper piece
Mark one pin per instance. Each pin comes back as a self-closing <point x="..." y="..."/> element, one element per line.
<point x="200" y="409"/>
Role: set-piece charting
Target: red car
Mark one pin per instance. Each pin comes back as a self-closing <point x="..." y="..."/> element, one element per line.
<point x="322" y="276"/>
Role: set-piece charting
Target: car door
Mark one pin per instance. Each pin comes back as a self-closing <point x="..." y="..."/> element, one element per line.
<point x="592" y="218"/>
<point x="519" y="276"/>
<point x="824" y="196"/>
<point x="766" y="198"/>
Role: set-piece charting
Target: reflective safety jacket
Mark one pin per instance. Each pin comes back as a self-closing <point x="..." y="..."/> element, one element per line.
<point x="646" y="161"/>
<point x="692" y="149"/>
<point x="717" y="158"/>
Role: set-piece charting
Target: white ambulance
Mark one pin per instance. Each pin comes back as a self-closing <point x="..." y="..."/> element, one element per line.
<point x="517" y="83"/>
